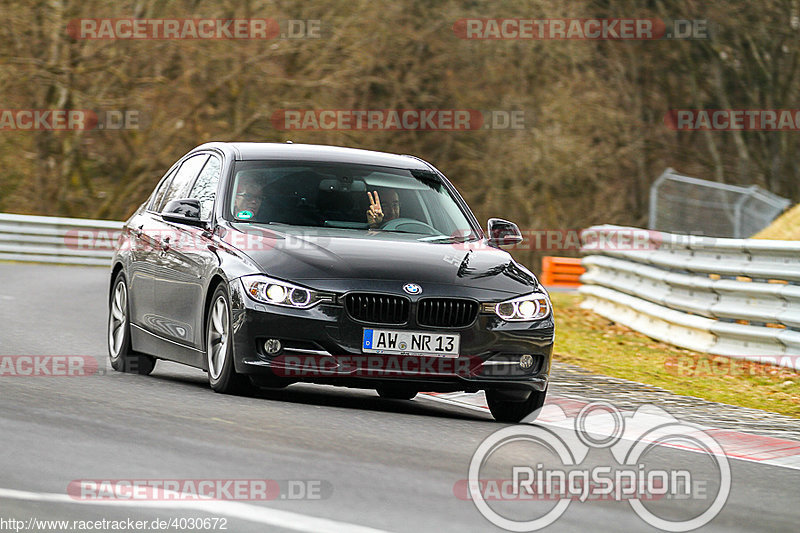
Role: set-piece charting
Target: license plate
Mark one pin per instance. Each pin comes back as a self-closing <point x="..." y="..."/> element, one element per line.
<point x="400" y="342"/>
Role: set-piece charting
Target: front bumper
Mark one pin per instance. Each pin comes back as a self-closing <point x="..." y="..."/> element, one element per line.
<point x="323" y="345"/>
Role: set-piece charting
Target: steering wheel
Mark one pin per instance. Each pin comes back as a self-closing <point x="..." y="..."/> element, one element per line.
<point x="409" y="225"/>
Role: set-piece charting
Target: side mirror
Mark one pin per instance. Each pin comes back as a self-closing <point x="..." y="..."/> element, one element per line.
<point x="183" y="211"/>
<point x="503" y="233"/>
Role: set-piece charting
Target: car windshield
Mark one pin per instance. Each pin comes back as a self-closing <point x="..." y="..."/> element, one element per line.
<point x="347" y="196"/>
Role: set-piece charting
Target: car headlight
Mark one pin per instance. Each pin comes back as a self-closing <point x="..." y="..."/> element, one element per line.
<point x="277" y="292"/>
<point x="534" y="306"/>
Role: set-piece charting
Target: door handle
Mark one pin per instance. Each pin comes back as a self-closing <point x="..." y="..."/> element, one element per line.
<point x="165" y="243"/>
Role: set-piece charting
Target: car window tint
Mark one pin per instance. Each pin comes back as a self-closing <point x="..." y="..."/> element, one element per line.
<point x="334" y="195"/>
<point x="162" y="190"/>
<point x="205" y="188"/>
<point x="179" y="186"/>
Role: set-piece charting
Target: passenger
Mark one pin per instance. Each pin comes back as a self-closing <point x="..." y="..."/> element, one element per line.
<point x="248" y="198"/>
<point x="375" y="213"/>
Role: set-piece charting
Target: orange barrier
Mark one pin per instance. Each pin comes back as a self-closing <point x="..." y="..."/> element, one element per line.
<point x="561" y="271"/>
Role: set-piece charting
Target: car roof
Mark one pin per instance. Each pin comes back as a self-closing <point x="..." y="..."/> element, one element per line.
<point x="249" y="151"/>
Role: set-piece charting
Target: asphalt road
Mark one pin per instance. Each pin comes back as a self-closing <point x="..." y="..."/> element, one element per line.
<point x="382" y="464"/>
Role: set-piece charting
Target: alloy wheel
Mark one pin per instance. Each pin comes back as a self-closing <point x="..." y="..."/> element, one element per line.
<point x="218" y="337"/>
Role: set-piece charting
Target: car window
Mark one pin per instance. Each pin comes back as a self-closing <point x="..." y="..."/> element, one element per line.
<point x="205" y="188"/>
<point x="179" y="185"/>
<point x="335" y="195"/>
<point x="162" y="190"/>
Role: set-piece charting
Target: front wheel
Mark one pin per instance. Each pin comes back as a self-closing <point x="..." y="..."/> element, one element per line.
<point x="510" y="411"/>
<point x="222" y="375"/>
<point x="123" y="358"/>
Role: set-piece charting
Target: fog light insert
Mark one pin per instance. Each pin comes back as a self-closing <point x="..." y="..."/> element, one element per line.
<point x="526" y="362"/>
<point x="272" y="346"/>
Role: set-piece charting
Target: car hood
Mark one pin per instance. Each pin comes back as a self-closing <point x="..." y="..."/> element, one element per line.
<point x="332" y="259"/>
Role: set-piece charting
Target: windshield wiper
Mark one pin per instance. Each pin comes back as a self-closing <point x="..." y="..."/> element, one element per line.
<point x="400" y="231"/>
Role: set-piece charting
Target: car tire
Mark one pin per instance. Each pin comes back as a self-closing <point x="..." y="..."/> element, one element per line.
<point x="123" y="358"/>
<point x="396" y="393"/>
<point x="222" y="375"/>
<point x="510" y="411"/>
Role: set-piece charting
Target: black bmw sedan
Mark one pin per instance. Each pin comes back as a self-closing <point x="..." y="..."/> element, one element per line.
<point x="270" y="264"/>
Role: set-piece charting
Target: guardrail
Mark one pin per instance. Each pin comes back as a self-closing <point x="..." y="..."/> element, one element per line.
<point x="67" y="241"/>
<point x="731" y="297"/>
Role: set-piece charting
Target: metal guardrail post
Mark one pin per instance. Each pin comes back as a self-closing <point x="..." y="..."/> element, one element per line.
<point x="652" y="222"/>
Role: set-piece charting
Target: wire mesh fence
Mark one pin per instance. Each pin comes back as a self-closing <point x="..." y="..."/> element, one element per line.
<point x="680" y="204"/>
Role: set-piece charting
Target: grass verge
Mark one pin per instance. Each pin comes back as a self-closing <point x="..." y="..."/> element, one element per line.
<point x="600" y="345"/>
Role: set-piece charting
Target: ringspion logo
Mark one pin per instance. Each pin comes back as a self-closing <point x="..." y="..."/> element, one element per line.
<point x="631" y="473"/>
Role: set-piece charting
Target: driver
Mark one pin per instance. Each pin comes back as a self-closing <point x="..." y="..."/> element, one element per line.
<point x="248" y="198"/>
<point x="375" y="213"/>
